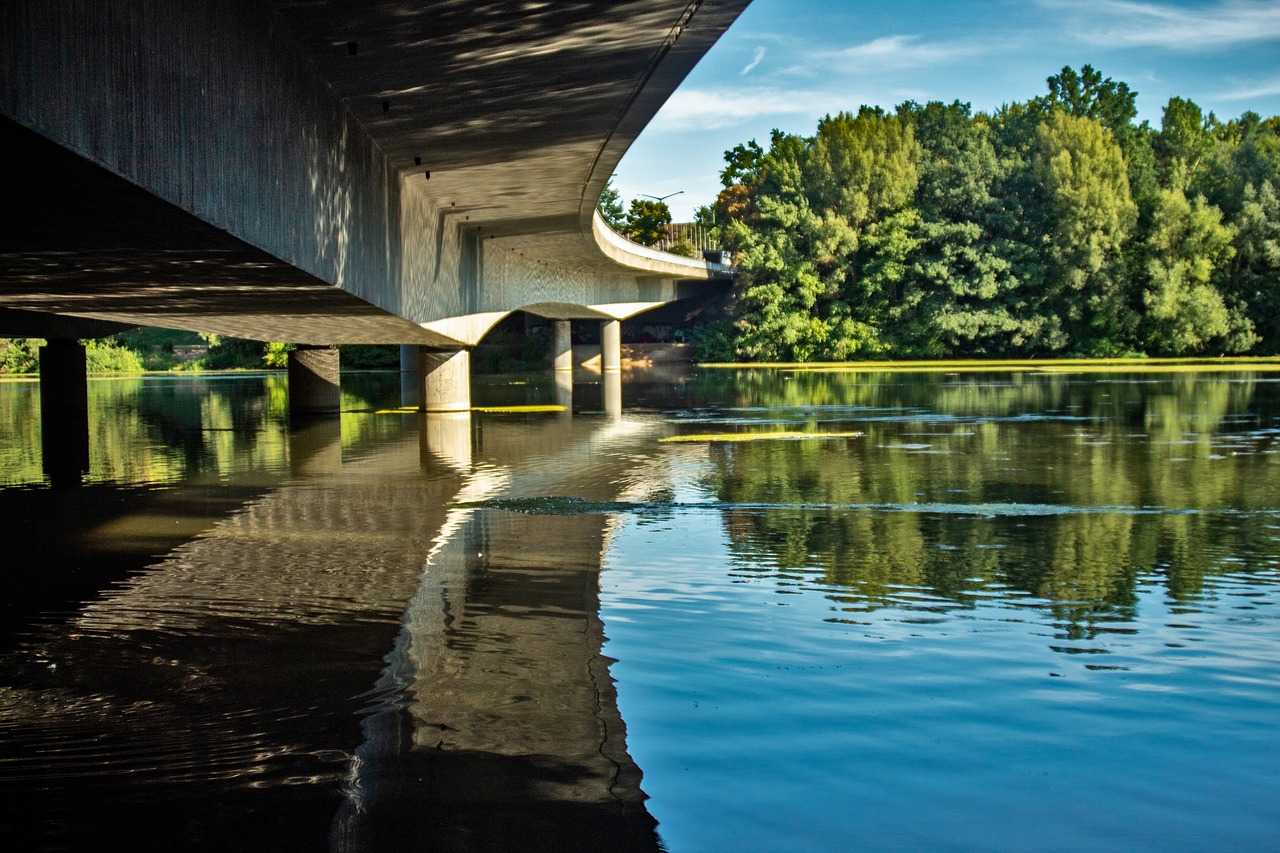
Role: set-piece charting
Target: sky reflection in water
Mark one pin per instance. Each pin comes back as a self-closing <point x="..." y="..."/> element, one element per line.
<point x="1050" y="631"/>
<point x="1019" y="611"/>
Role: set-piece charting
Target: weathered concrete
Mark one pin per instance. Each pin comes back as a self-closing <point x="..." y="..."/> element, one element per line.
<point x="610" y="346"/>
<point x="334" y="171"/>
<point x="314" y="384"/>
<point x="562" y="345"/>
<point x="445" y="377"/>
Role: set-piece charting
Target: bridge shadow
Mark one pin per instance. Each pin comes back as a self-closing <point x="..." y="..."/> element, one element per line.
<point x="344" y="660"/>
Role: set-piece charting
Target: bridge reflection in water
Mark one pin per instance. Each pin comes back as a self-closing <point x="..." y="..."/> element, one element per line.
<point x="349" y="660"/>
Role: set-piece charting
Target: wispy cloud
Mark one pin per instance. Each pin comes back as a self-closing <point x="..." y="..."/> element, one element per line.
<point x="1126" y="23"/>
<point x="755" y="60"/>
<point x="708" y="109"/>
<point x="1252" y="92"/>
<point x="902" y="51"/>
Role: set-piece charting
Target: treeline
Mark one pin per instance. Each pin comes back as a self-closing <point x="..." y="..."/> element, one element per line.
<point x="157" y="349"/>
<point x="1058" y="226"/>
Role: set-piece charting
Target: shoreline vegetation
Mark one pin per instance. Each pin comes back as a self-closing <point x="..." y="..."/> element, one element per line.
<point x="1055" y="227"/>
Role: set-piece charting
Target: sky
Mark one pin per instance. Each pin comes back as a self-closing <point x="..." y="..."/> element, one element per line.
<point x="786" y="63"/>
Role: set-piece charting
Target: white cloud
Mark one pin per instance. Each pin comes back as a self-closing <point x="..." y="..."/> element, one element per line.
<point x="1126" y="23"/>
<point x="755" y="60"/>
<point x="1252" y="92"/>
<point x="706" y="109"/>
<point x="897" y="52"/>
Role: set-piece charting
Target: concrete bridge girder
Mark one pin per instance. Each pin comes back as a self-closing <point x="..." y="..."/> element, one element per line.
<point x="332" y="171"/>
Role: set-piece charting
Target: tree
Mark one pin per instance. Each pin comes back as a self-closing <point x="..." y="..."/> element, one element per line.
<point x="1087" y="95"/>
<point x="1253" y="280"/>
<point x="958" y="289"/>
<point x="610" y="206"/>
<point x="1184" y="144"/>
<point x="1187" y="246"/>
<point x="647" y="221"/>
<point x="1087" y="216"/>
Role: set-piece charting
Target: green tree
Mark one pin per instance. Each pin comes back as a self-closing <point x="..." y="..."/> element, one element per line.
<point x="1086" y="218"/>
<point x="647" y="221"/>
<point x="1188" y="245"/>
<point x="1253" y="280"/>
<point x="20" y="355"/>
<point x="610" y="207"/>
<point x="958" y="290"/>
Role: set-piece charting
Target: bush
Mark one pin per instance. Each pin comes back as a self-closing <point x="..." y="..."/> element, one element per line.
<point x="106" y="356"/>
<point x="20" y="355"/>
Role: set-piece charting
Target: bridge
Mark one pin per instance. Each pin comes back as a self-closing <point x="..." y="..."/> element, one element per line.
<point x="331" y="171"/>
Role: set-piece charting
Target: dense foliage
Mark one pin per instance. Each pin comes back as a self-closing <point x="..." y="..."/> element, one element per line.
<point x="1053" y="227"/>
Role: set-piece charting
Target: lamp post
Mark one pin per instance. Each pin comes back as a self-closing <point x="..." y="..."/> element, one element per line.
<point x="662" y="198"/>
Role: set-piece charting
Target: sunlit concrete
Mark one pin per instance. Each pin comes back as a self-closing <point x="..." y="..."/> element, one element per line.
<point x="332" y="171"/>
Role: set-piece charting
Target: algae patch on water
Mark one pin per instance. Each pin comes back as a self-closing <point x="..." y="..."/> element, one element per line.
<point x="759" y="436"/>
<point x="518" y="409"/>
<point x="549" y="505"/>
<point x="414" y="410"/>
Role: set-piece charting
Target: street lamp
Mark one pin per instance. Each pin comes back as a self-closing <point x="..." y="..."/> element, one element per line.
<point x="661" y="198"/>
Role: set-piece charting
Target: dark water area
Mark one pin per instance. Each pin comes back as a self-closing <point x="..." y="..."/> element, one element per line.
<point x="915" y="611"/>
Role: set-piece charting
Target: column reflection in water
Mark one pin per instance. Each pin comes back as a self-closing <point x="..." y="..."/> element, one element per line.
<point x="564" y="390"/>
<point x="498" y="725"/>
<point x="315" y="447"/>
<point x="445" y="437"/>
<point x="612" y="383"/>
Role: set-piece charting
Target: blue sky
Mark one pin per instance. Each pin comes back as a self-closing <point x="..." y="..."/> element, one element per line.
<point x="786" y="63"/>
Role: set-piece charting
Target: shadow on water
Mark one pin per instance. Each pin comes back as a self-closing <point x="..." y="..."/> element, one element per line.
<point x="200" y="661"/>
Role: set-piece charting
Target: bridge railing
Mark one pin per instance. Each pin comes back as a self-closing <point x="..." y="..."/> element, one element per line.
<point x="714" y="263"/>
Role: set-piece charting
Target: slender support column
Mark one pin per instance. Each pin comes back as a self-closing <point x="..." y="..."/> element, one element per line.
<point x="612" y="380"/>
<point x="409" y="375"/>
<point x="313" y="381"/>
<point x="610" y="345"/>
<point x="562" y="345"/>
<point x="446" y="380"/>
<point x="64" y="411"/>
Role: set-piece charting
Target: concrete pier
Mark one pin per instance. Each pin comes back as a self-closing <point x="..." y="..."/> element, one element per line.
<point x="64" y="411"/>
<point x="313" y="381"/>
<point x="562" y="345"/>
<point x="445" y="377"/>
<point x="409" y="381"/>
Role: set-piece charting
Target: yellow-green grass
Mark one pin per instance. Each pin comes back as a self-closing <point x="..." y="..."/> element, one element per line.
<point x="1058" y="365"/>
<point x="758" y="436"/>
<point x="411" y="410"/>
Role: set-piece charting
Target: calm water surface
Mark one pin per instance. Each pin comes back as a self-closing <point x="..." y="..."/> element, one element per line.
<point x="1015" y="611"/>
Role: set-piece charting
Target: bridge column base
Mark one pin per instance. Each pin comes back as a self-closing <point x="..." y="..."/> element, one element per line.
<point x="409" y="380"/>
<point x="314" y="387"/>
<point x="64" y="411"/>
<point x="445" y="377"/>
<point x="562" y="345"/>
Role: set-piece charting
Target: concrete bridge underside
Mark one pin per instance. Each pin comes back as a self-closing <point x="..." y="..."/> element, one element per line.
<point x="329" y="171"/>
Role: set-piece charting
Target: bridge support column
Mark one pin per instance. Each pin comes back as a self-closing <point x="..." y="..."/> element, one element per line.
<point x="610" y="345"/>
<point x="564" y="390"/>
<point x="562" y="345"/>
<point x="314" y="381"/>
<point x="64" y="411"/>
<point x="445" y="377"/>
<point x="409" y="381"/>
<point x="612" y="380"/>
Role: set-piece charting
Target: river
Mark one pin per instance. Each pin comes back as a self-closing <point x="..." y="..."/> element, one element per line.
<point x="766" y="610"/>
